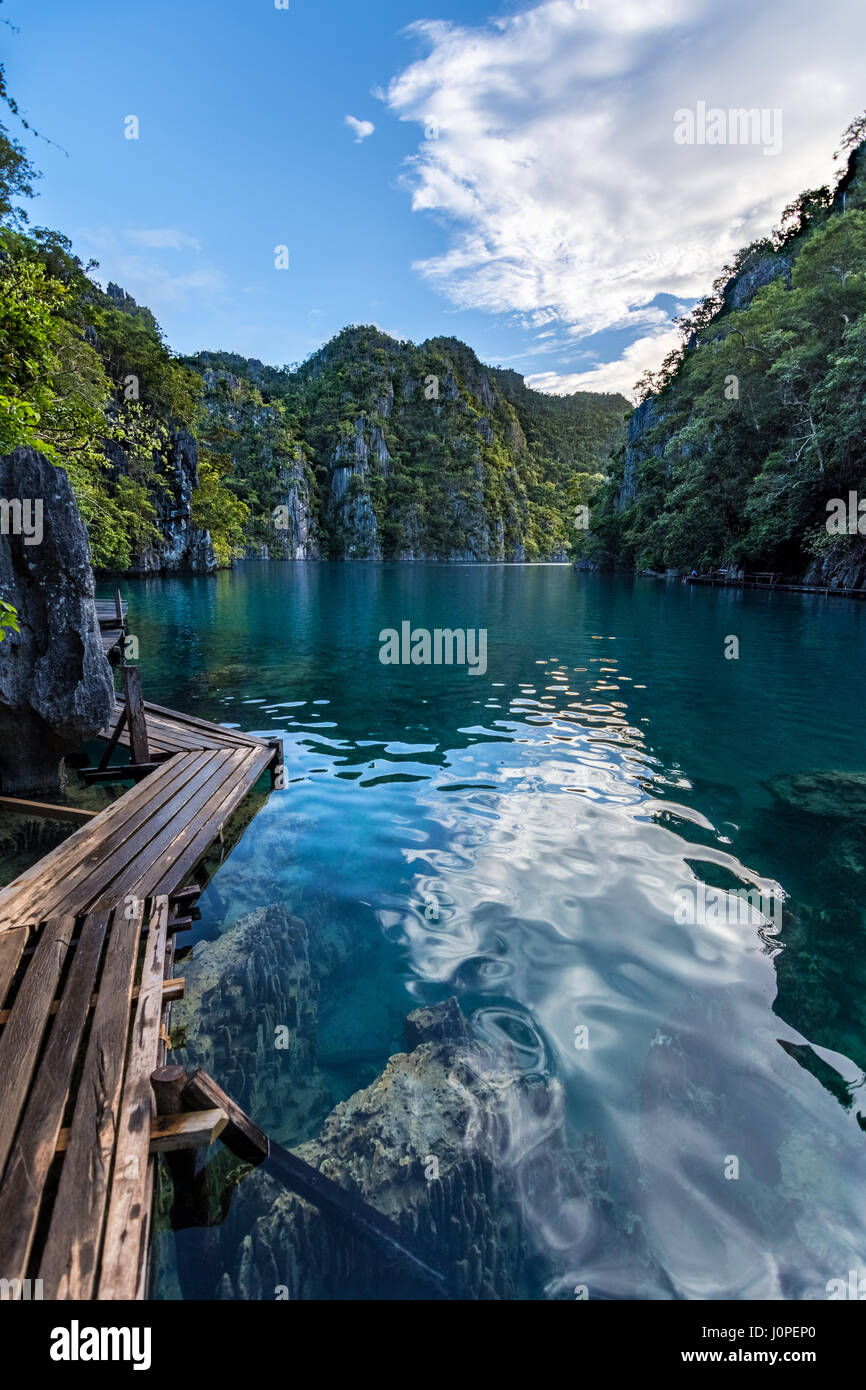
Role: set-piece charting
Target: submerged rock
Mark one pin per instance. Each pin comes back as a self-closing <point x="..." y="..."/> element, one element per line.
<point x="56" y="687"/>
<point x="250" y="1019"/>
<point x="465" y="1153"/>
<point x="834" y="795"/>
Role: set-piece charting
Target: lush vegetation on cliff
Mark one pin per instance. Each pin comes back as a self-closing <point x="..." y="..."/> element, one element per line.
<point x="760" y="418"/>
<point x="399" y="449"/>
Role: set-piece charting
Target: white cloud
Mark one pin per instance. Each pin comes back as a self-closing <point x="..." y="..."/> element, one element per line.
<point x="361" y="128"/>
<point x="549" y="152"/>
<point x="621" y="375"/>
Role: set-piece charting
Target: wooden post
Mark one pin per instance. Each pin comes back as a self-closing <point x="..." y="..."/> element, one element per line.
<point x="277" y="766"/>
<point x="168" y="1083"/>
<point x="135" y="714"/>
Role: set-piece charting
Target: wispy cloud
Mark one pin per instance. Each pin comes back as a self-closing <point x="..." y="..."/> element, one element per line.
<point x="361" y="128"/>
<point x="164" y="239"/>
<point x="548" y="152"/>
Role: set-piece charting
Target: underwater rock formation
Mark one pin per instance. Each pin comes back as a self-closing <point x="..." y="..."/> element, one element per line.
<point x="259" y="970"/>
<point x="463" y="1152"/>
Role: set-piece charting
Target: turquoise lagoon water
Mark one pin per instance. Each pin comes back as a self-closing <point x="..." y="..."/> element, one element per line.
<point x="523" y="839"/>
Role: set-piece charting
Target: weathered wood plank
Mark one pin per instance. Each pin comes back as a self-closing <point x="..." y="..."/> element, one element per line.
<point x="24" y="899"/>
<point x="242" y="1135"/>
<point x="127" y="1226"/>
<point x="158" y="864"/>
<point x="191" y="1129"/>
<point x="135" y="720"/>
<point x="188" y="849"/>
<point x="205" y="725"/>
<point x="119" y="874"/>
<point x="172" y="992"/>
<point x="65" y="877"/>
<point x="35" y="1143"/>
<point x="69" y="1259"/>
<point x="46" y="809"/>
<point x="12" y="943"/>
<point x="22" y="1036"/>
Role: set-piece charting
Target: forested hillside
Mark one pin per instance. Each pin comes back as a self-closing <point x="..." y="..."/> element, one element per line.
<point x="384" y="449"/>
<point x="758" y="422"/>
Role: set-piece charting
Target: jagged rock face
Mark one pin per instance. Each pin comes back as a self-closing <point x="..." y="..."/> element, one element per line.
<point x="842" y="567"/>
<point x="298" y="542"/>
<point x="762" y="270"/>
<point x="465" y="1153"/>
<point x="411" y="452"/>
<point x="56" y="687"/>
<point x="645" y="418"/>
<point x="183" y="547"/>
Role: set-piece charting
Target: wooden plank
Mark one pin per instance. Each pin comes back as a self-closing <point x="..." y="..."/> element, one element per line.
<point x="69" y="1259"/>
<point x="191" y="1129"/>
<point x="156" y="864"/>
<point x="35" y="1143"/>
<point x="46" y="809"/>
<point x="12" y="943"/>
<point x="241" y="1134"/>
<point x="173" y="991"/>
<point x="23" y="899"/>
<point x="22" y="1036"/>
<point x="204" y="724"/>
<point x="135" y="720"/>
<point x="175" y="863"/>
<point x="64" y="872"/>
<point x="112" y="742"/>
<point x="127" y="1225"/>
<point x="117" y="874"/>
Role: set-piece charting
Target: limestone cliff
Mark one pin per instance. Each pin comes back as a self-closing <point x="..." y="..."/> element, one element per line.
<point x="56" y="688"/>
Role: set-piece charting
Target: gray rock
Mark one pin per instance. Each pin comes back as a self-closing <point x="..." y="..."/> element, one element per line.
<point x="56" y="687"/>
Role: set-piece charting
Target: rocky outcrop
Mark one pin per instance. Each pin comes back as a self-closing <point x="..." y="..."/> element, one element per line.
<point x="295" y="523"/>
<point x="759" y="270"/>
<point x="183" y="548"/>
<point x="56" y="687"/>
<point x="841" y="567"/>
<point x="645" y="419"/>
<point x="404" y="451"/>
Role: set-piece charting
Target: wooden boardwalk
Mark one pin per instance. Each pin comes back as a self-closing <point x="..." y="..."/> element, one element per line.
<point x="773" y="585"/>
<point x="86" y="955"/>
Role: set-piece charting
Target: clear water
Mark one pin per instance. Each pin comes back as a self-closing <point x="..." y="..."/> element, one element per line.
<point x="552" y="809"/>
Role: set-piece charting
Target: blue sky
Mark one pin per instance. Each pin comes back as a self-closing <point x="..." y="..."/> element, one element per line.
<point x="521" y="189"/>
